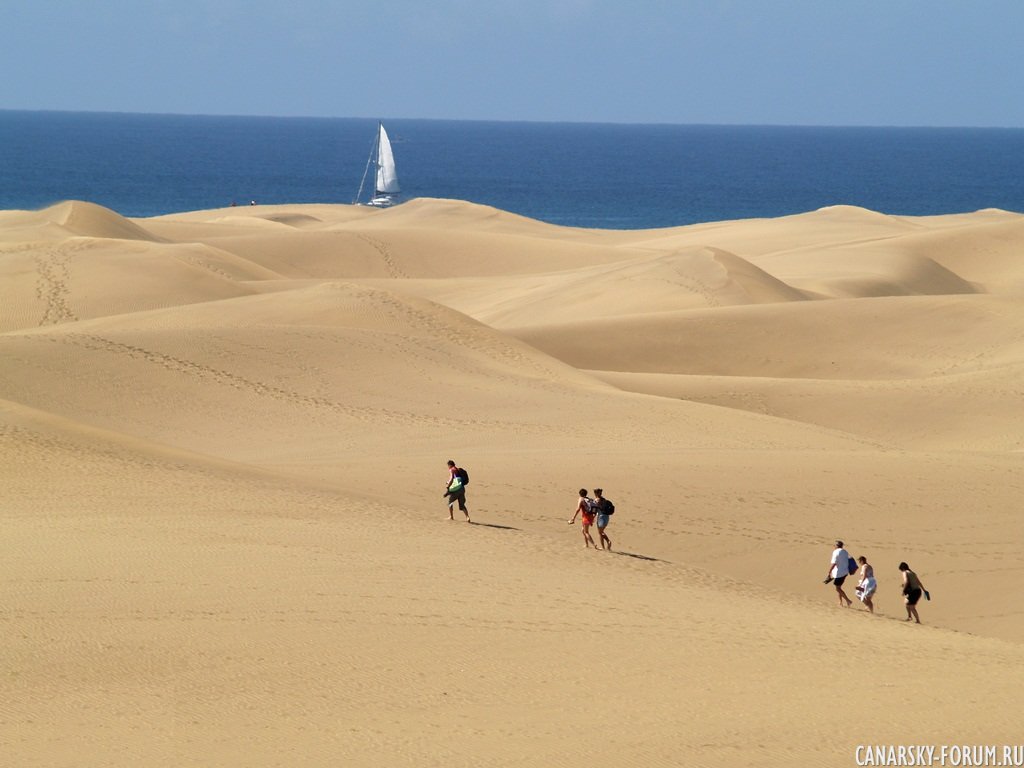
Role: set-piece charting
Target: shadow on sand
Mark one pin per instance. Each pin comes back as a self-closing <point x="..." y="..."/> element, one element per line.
<point x="495" y="525"/>
<point x="640" y="557"/>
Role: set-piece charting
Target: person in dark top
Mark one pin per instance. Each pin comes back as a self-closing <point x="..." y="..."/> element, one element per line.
<point x="455" y="492"/>
<point x="601" y="506"/>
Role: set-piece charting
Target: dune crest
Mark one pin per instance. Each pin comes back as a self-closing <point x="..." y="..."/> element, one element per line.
<point x="91" y="220"/>
<point x="891" y="273"/>
<point x="863" y="217"/>
<point x="459" y="214"/>
<point x="757" y="284"/>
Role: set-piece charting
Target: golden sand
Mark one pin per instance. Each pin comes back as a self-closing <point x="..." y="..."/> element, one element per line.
<point x="223" y="438"/>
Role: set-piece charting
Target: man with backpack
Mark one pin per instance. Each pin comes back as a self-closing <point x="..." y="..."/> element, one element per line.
<point x="604" y="508"/>
<point x="455" y="491"/>
<point x="839" y="568"/>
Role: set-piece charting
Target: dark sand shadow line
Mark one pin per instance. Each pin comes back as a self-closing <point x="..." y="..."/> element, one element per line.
<point x="495" y="525"/>
<point x="640" y="557"/>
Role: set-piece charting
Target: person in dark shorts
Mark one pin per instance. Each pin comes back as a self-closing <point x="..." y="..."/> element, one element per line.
<point x="838" y="570"/>
<point x="601" y="505"/>
<point x="457" y="496"/>
<point x="912" y="591"/>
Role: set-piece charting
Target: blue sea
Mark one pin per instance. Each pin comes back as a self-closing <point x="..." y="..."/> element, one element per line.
<point x="588" y="175"/>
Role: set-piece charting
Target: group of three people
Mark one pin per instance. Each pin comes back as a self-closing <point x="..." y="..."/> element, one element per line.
<point x="839" y="568"/>
<point x="594" y="510"/>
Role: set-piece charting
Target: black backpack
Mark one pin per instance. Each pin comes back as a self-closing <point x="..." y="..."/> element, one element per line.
<point x="607" y="507"/>
<point x="463" y="475"/>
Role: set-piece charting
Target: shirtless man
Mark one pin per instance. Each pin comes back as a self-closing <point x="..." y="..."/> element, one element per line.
<point x="912" y="591"/>
<point x="585" y="508"/>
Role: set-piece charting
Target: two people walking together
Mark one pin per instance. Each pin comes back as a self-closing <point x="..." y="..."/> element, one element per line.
<point x="597" y="510"/>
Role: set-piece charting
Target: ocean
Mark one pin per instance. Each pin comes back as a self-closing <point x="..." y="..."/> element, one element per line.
<point x="607" y="176"/>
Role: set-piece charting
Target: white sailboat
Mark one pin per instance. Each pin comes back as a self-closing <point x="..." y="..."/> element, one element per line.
<point x="385" y="185"/>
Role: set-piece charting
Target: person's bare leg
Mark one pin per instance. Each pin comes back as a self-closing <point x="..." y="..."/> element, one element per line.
<point x="868" y="602"/>
<point x="604" y="538"/>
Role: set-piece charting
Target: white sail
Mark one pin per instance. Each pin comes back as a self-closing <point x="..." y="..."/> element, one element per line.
<point x="386" y="182"/>
<point x="387" y="177"/>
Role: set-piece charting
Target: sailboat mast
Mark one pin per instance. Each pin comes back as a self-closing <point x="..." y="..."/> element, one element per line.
<point x="376" y="159"/>
<point x="374" y="152"/>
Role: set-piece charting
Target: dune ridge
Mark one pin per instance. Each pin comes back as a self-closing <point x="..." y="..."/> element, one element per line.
<point x="223" y="438"/>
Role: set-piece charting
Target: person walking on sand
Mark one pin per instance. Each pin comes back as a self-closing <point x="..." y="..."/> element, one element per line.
<point x="867" y="585"/>
<point x="585" y="508"/>
<point x="912" y="591"/>
<point x="455" y="491"/>
<point x="602" y="505"/>
<point x="838" y="570"/>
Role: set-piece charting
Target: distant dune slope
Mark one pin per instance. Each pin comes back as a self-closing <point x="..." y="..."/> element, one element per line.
<point x="643" y="283"/>
<point x="871" y="338"/>
<point x="840" y="294"/>
<point x="339" y="367"/>
<point x="80" y="278"/>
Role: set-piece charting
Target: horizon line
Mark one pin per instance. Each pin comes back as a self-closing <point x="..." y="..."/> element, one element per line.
<point x="512" y="121"/>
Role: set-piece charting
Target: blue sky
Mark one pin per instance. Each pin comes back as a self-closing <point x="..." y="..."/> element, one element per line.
<point x="789" y="62"/>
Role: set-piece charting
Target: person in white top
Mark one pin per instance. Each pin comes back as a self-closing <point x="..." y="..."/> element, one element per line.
<point x="867" y="586"/>
<point x="838" y="570"/>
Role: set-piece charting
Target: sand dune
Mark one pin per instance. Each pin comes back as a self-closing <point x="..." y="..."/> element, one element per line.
<point x="977" y="411"/>
<point x="987" y="254"/>
<point x="642" y="284"/>
<point x="73" y="217"/>
<point x="306" y="364"/>
<point x="829" y="226"/>
<point x="868" y="338"/>
<point x="223" y="436"/>
<point x="83" y="278"/>
<point x="331" y="246"/>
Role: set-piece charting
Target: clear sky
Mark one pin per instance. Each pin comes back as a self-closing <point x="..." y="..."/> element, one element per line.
<point x="790" y="62"/>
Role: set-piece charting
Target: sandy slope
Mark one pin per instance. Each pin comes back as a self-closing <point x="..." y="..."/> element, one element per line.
<point x="223" y="437"/>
